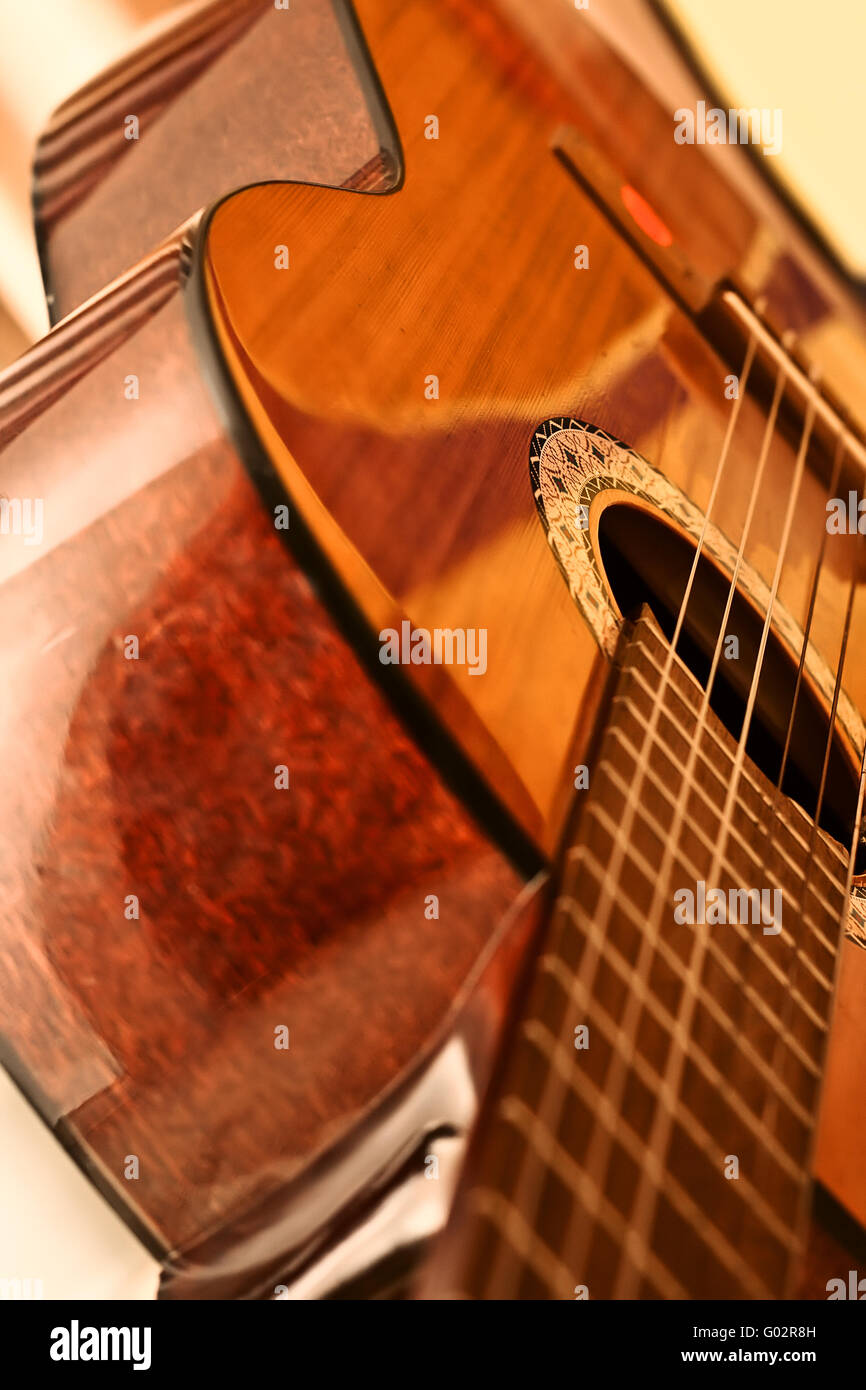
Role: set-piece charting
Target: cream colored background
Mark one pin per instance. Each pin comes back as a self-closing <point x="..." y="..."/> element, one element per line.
<point x="48" y="48"/>
<point x="805" y="57"/>
<point x="54" y="1225"/>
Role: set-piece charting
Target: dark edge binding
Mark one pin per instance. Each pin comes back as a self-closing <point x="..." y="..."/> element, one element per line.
<point x="413" y="710"/>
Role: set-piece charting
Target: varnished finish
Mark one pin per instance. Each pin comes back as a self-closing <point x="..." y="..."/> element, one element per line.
<point x="154" y="1037"/>
<point x="332" y="355"/>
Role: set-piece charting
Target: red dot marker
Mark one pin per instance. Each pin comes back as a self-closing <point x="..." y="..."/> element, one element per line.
<point x="646" y="217"/>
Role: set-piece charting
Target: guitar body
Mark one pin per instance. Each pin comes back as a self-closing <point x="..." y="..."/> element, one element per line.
<point x="258" y="876"/>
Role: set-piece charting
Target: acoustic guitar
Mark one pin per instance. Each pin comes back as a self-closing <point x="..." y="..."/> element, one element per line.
<point x="432" y="617"/>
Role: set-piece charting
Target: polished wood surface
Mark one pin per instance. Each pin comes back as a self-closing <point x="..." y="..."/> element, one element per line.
<point x="153" y="1037"/>
<point x="332" y="355"/>
<point x="331" y="358"/>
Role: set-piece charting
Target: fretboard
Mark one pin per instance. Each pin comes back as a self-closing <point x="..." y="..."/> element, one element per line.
<point x="652" y="1130"/>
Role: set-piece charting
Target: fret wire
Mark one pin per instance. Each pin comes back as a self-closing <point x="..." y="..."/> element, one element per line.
<point x="600" y="1147"/>
<point x="719" y="1016"/>
<point x="578" y="1176"/>
<point x="495" y="1207"/>
<point x="849" y="878"/>
<point x="760" y="1063"/>
<point x="719" y="747"/>
<point x="686" y="1118"/>
<point x="722" y="1019"/>
<point x="599" y="1208"/>
<point x="554" y="1094"/>
<point x="747" y="777"/>
<point x="700" y="835"/>
<point x="650" y="1077"/>
<point x="578" y="1082"/>
<point x="726" y="962"/>
<point x="704" y="758"/>
<point x="645" y="1205"/>
<point x="680" y="670"/>
<point x="815" y="834"/>
<point x="743" y="936"/>
<point x="614" y="776"/>
<point x="745" y="848"/>
<point x="693" y="994"/>
<point x="833" y="709"/>
<point x="637" y="1061"/>
<point x="771" y="1103"/>
<point x="736" y="929"/>
<point x="697" y="790"/>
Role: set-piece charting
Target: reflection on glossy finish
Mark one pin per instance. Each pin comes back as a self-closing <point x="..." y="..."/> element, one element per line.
<point x="398" y="370"/>
<point x="358" y="1216"/>
<point x="258" y="908"/>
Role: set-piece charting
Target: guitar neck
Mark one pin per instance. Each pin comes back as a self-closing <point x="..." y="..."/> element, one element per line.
<point x="651" y="1133"/>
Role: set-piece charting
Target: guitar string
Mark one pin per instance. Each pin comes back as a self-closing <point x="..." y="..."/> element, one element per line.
<point x="756" y="678"/>
<point x="839" y="455"/>
<point x="806" y="1194"/>
<point x="834" y="708"/>
<point x="771" y="1103"/>
<point x="837" y="685"/>
<point x="745" y="947"/>
<point x="770" y="821"/>
<point x="646" y="1205"/>
<point x="647" y="1191"/>
<point x="849" y="879"/>
<point x="645" y="1199"/>
<point x="855" y="834"/>
<point x="553" y="1090"/>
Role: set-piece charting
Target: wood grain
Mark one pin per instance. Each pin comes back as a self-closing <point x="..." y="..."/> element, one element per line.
<point x="467" y="272"/>
<point x="154" y="1037"/>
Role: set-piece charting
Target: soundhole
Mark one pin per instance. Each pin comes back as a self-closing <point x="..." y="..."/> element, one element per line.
<point x="646" y="561"/>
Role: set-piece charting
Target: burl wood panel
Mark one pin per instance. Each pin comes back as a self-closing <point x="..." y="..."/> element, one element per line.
<point x="155" y="777"/>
